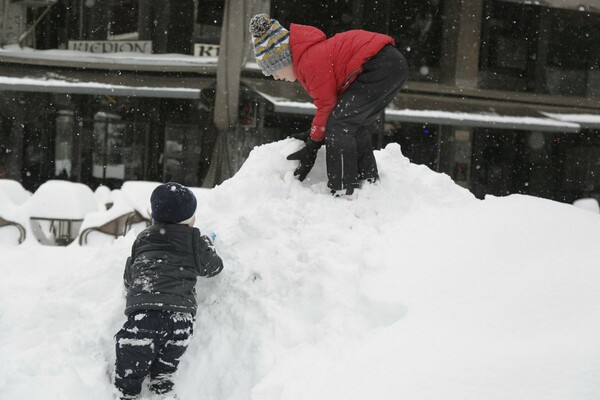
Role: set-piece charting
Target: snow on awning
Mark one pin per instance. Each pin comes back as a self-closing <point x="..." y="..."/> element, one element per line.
<point x="111" y="83"/>
<point x="579" y="5"/>
<point x="591" y="121"/>
<point x="474" y="112"/>
<point x="291" y="98"/>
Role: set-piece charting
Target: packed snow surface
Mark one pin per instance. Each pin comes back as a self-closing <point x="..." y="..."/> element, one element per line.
<point x="413" y="289"/>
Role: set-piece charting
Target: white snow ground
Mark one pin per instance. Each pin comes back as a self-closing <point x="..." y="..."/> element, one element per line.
<point x="412" y="290"/>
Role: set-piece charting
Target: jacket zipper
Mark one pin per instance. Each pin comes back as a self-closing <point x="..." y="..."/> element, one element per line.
<point x="342" y="170"/>
<point x="352" y="75"/>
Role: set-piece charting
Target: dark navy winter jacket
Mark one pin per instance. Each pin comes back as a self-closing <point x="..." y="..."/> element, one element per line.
<point x="165" y="262"/>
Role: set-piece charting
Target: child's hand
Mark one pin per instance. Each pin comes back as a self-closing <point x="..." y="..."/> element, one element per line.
<point x="307" y="156"/>
<point x="301" y="136"/>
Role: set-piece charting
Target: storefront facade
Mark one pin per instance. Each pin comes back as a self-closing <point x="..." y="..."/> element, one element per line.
<point x="103" y="127"/>
<point x="503" y="96"/>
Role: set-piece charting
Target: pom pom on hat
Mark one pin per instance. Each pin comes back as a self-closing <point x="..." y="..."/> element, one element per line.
<point x="172" y="203"/>
<point x="260" y="25"/>
<point x="271" y="43"/>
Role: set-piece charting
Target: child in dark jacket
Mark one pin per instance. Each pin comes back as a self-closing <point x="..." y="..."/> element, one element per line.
<point x="160" y="278"/>
<point x="351" y="76"/>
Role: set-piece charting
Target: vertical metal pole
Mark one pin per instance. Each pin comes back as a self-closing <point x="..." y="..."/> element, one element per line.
<point x="81" y="37"/>
<point x="4" y="22"/>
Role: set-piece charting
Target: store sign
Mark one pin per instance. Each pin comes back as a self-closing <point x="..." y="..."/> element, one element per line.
<point x="206" y="50"/>
<point x="112" y="46"/>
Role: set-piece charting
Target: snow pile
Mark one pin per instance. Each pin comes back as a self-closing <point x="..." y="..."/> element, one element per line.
<point x="414" y="289"/>
<point x="589" y="204"/>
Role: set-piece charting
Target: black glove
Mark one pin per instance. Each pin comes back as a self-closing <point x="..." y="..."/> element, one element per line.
<point x="307" y="156"/>
<point x="301" y="136"/>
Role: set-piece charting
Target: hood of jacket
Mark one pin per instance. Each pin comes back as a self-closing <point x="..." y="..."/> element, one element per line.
<point x="303" y="38"/>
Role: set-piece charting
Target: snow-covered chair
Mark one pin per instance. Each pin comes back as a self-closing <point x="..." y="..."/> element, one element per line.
<point x="20" y="228"/>
<point x="12" y="221"/>
<point x="104" y="196"/>
<point x="138" y="194"/>
<point x="105" y="226"/>
<point x="57" y="210"/>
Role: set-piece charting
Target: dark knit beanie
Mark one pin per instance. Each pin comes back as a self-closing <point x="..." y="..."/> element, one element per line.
<point x="172" y="203"/>
<point x="271" y="43"/>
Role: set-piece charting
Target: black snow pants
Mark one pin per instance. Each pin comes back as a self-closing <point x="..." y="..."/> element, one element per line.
<point x="350" y="156"/>
<point x="151" y="343"/>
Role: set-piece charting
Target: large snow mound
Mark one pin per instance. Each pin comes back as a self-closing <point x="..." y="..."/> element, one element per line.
<point x="413" y="289"/>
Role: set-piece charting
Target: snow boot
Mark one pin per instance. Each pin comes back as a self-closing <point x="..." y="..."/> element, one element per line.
<point x="343" y="192"/>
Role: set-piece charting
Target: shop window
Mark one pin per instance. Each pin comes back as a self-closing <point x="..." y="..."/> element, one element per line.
<point x="123" y="19"/>
<point x="509" y="45"/>
<point x="118" y="148"/>
<point x="573" y="62"/>
<point x="498" y="160"/>
<point x="5" y="129"/>
<point x="63" y="146"/>
<point x="531" y="48"/>
<point x="415" y="25"/>
<point x="541" y="164"/>
<point x="210" y="12"/>
<point x="209" y="21"/>
<point x="506" y="162"/>
<point x="37" y="153"/>
<point x="582" y="169"/>
<point x="183" y="150"/>
<point x="330" y="16"/>
<point x="419" y="142"/>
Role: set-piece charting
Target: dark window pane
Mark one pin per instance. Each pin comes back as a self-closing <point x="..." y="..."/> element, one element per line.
<point x="123" y="17"/>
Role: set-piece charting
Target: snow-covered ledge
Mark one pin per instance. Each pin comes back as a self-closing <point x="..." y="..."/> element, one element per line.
<point x="127" y="61"/>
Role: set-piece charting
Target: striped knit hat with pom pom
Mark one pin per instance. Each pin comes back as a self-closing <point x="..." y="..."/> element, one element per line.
<point x="271" y="43"/>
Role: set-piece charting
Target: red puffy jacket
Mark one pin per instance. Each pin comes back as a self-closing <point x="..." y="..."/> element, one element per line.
<point x="327" y="67"/>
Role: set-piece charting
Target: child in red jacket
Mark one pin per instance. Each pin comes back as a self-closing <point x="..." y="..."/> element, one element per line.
<point x="351" y="76"/>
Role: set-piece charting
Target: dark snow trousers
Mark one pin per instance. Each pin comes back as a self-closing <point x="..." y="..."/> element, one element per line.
<point x="350" y="156"/>
<point x="151" y="343"/>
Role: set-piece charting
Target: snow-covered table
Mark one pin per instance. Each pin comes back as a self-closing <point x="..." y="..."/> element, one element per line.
<point x="57" y="210"/>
